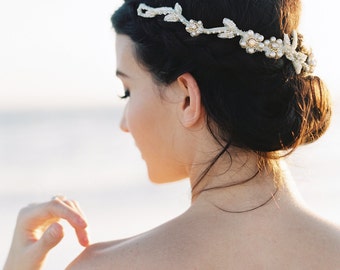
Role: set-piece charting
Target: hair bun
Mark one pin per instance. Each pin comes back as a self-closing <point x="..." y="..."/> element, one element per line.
<point x="315" y="107"/>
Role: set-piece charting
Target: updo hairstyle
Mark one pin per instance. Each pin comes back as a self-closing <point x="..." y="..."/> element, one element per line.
<point x="252" y="102"/>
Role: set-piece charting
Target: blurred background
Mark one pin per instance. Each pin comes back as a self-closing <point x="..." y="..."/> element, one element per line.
<point x="59" y="123"/>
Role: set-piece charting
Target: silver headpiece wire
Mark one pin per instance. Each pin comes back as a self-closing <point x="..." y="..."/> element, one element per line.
<point x="250" y="41"/>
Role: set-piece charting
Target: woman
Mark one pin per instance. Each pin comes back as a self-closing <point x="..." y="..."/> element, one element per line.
<point x="218" y="103"/>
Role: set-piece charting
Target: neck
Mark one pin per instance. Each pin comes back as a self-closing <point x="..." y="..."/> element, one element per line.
<point x="234" y="182"/>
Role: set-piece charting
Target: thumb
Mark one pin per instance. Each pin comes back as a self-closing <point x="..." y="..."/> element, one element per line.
<point x="51" y="237"/>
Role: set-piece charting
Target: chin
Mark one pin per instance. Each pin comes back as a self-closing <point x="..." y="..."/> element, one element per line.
<point x="164" y="178"/>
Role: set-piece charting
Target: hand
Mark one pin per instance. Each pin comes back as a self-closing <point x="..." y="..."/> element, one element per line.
<point x="37" y="231"/>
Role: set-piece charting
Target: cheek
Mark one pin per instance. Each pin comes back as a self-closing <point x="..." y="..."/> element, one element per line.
<point x="139" y="121"/>
<point x="152" y="130"/>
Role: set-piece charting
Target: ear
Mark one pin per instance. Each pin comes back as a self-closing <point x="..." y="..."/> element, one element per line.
<point x="191" y="107"/>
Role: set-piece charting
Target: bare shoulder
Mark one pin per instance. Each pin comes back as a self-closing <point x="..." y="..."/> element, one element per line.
<point x="327" y="235"/>
<point x="93" y="257"/>
<point x="318" y="242"/>
<point x="161" y="247"/>
<point x="298" y="240"/>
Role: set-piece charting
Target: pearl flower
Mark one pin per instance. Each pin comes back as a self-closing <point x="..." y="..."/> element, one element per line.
<point x="250" y="41"/>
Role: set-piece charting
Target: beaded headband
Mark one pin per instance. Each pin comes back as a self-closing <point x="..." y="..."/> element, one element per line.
<point x="250" y="41"/>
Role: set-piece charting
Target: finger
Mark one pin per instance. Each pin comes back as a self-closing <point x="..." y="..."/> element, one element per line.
<point x="58" y="197"/>
<point x="72" y="203"/>
<point x="66" y="210"/>
<point x="82" y="234"/>
<point x="48" y="213"/>
<point x="51" y="237"/>
<point x="75" y="206"/>
<point x="83" y="237"/>
<point x="37" y="218"/>
<point x="74" y="209"/>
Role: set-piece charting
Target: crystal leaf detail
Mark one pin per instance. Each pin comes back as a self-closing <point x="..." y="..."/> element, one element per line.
<point x="249" y="40"/>
<point x="171" y="18"/>
<point x="178" y="8"/>
<point x="229" y="23"/>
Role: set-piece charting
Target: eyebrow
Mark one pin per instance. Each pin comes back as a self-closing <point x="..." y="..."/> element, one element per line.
<point x="121" y="74"/>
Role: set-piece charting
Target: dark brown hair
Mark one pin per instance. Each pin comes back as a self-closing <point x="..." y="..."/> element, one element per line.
<point x="252" y="102"/>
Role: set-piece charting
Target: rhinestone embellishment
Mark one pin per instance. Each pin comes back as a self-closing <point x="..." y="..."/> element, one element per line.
<point x="249" y="40"/>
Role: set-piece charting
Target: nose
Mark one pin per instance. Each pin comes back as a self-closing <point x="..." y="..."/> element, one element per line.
<point x="123" y="125"/>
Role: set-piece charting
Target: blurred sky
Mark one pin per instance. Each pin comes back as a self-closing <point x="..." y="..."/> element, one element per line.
<point x="61" y="53"/>
<point x="56" y="53"/>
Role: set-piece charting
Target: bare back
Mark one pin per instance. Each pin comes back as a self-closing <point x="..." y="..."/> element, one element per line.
<point x="284" y="236"/>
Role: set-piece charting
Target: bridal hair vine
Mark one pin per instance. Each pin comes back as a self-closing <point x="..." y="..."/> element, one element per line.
<point x="250" y="41"/>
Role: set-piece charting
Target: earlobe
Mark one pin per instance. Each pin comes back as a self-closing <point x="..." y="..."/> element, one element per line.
<point x="191" y="104"/>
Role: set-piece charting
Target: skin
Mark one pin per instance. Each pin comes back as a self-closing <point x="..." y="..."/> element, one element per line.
<point x="37" y="231"/>
<point x="170" y="131"/>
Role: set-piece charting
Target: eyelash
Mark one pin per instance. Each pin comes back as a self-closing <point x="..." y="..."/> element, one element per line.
<point x="126" y="94"/>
